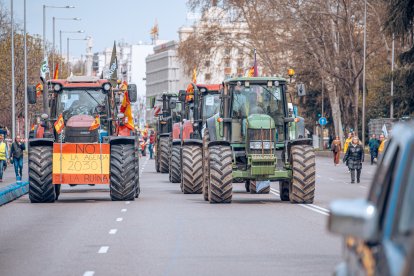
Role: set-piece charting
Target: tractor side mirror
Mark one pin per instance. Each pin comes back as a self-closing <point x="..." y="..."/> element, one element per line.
<point x="132" y="92"/>
<point x="31" y="94"/>
<point x="173" y="103"/>
<point x="182" y="95"/>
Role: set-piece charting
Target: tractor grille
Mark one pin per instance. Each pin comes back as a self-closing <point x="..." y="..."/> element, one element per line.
<point x="260" y="135"/>
<point x="81" y="135"/>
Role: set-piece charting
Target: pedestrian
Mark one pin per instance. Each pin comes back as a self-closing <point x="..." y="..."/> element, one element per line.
<point x="354" y="157"/>
<point x="382" y="145"/>
<point x="151" y="144"/>
<point x="346" y="144"/>
<point x="373" y="148"/>
<point x="336" y="149"/>
<point x="16" y="156"/>
<point x="3" y="156"/>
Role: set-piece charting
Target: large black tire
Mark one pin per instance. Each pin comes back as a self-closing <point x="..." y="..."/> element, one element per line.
<point x="206" y="164"/>
<point x="221" y="179"/>
<point x="164" y="154"/>
<point x="175" y="167"/>
<point x="137" y="185"/>
<point x="57" y="191"/>
<point x="252" y="188"/>
<point x="157" y="157"/>
<point x="302" y="188"/>
<point x="284" y="190"/>
<point x="41" y="188"/>
<point x="123" y="171"/>
<point x="192" y="172"/>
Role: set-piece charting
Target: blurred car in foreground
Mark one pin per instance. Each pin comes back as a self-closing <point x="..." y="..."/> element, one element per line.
<point x="378" y="231"/>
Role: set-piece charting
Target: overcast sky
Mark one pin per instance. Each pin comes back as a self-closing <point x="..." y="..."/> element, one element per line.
<point x="104" y="20"/>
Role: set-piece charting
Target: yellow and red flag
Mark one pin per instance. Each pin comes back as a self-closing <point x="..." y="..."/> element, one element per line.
<point x="39" y="89"/>
<point x="194" y="78"/>
<point x="250" y="72"/>
<point x="96" y="123"/>
<point x="59" y="124"/>
<point x="126" y="109"/>
<point x="56" y="74"/>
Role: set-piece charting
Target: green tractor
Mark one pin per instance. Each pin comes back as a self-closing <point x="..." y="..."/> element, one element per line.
<point x="167" y="116"/>
<point x="254" y="139"/>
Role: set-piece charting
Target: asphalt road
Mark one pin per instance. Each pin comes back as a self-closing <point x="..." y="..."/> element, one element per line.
<point x="165" y="232"/>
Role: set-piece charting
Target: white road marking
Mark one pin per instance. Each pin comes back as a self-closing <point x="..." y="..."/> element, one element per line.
<point x="362" y="187"/>
<point x="311" y="207"/>
<point x="103" y="249"/>
<point x="127" y="202"/>
<point x="123" y="210"/>
<point x="113" y="231"/>
<point x="89" y="273"/>
<point x="119" y="219"/>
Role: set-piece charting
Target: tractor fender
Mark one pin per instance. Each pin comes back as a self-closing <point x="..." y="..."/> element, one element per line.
<point x="176" y="142"/>
<point x="187" y="129"/>
<point x="117" y="140"/>
<point x="41" y="142"/>
<point x="195" y="142"/>
<point x="218" y="143"/>
<point x="290" y="143"/>
<point x="211" y="126"/>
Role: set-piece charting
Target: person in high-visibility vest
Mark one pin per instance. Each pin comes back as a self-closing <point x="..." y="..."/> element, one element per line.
<point x="4" y="155"/>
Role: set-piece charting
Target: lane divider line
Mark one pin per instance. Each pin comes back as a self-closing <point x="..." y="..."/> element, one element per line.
<point x="123" y="210"/>
<point x="113" y="231"/>
<point x="89" y="273"/>
<point x="119" y="219"/>
<point x="311" y="207"/>
<point x="127" y="202"/>
<point x="103" y="249"/>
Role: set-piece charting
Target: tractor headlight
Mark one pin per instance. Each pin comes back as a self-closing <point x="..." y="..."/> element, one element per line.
<point x="260" y="144"/>
<point x="267" y="145"/>
<point x="57" y="87"/>
<point x="107" y="87"/>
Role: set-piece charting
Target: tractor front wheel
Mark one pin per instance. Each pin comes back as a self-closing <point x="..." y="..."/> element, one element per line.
<point x="302" y="188"/>
<point x="175" y="168"/>
<point x="123" y="183"/>
<point x="41" y="188"/>
<point x="192" y="172"/>
<point x="164" y="156"/>
<point x="284" y="190"/>
<point x="220" y="177"/>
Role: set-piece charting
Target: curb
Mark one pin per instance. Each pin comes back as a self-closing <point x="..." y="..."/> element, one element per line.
<point x="13" y="191"/>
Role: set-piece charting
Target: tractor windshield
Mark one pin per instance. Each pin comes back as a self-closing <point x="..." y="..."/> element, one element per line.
<point x="80" y="102"/>
<point x="211" y="105"/>
<point x="257" y="99"/>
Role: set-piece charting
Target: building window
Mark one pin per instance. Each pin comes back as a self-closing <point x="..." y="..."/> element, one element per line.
<point x="227" y="62"/>
<point x="207" y="77"/>
<point x="207" y="63"/>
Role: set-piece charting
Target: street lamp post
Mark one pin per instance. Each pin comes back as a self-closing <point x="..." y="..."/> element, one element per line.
<point x="12" y="72"/>
<point x="60" y="38"/>
<point x="68" y="39"/>
<point x="54" y="23"/>
<point x="363" y="76"/>
<point x="44" y="22"/>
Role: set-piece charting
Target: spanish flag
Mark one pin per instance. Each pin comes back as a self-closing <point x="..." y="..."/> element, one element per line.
<point x="96" y="123"/>
<point x="56" y="74"/>
<point x="250" y="72"/>
<point x="194" y="79"/>
<point x="39" y="89"/>
<point x="59" y="124"/>
<point x="126" y="109"/>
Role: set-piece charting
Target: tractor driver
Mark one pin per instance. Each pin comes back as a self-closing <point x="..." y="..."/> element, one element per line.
<point x="82" y="106"/>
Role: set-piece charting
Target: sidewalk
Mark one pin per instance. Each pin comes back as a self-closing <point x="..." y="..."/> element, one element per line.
<point x="9" y="189"/>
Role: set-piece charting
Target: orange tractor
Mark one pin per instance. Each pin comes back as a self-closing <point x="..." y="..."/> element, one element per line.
<point x="86" y="137"/>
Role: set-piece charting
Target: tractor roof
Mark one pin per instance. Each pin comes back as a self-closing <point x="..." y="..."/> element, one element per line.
<point x="210" y="87"/>
<point x="255" y="79"/>
<point x="80" y="82"/>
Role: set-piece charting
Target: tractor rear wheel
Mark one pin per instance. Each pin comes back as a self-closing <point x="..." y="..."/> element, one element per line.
<point x="57" y="191"/>
<point x="164" y="156"/>
<point x="253" y="190"/>
<point x="156" y="157"/>
<point x="175" y="168"/>
<point x="122" y="181"/>
<point x="284" y="190"/>
<point x="192" y="172"/>
<point x="206" y="164"/>
<point x="220" y="177"/>
<point x="137" y="185"/>
<point x="302" y="188"/>
<point x="41" y="188"/>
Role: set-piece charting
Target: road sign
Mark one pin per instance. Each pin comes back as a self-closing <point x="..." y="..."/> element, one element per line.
<point x="301" y="90"/>
<point x="322" y="121"/>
